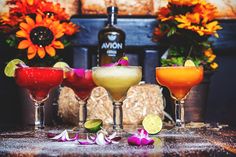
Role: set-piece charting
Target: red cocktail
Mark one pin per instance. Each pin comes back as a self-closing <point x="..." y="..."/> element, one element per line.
<point x="81" y="82"/>
<point x="39" y="81"/>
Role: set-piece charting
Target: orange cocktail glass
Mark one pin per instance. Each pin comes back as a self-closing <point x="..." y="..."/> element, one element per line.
<point x="179" y="80"/>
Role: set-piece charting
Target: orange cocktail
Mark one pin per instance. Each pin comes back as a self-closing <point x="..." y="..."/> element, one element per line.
<point x="179" y="80"/>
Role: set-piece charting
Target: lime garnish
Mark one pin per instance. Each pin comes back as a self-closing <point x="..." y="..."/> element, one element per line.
<point x="152" y="124"/>
<point x="93" y="125"/>
<point x="11" y="67"/>
<point x="189" y="63"/>
<point x="62" y="65"/>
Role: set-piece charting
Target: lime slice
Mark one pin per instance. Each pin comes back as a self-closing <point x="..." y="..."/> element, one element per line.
<point x="11" y="67"/>
<point x="152" y="123"/>
<point x="189" y="63"/>
<point x="62" y="65"/>
<point x="93" y="125"/>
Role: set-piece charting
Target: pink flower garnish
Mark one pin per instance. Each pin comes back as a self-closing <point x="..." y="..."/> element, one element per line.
<point x="124" y="61"/>
<point x="80" y="72"/>
<point x="140" y="138"/>
<point x="102" y="138"/>
<point x="64" y="136"/>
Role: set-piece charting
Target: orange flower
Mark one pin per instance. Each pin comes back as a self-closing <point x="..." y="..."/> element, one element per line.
<point x="193" y="22"/>
<point x="185" y="2"/>
<point x="208" y="52"/>
<point x="164" y="14"/>
<point x="70" y="28"/>
<point x="207" y="11"/>
<point x="40" y="36"/>
<point x="158" y="34"/>
<point x="6" y="19"/>
<point x="25" y="7"/>
<point x="49" y="8"/>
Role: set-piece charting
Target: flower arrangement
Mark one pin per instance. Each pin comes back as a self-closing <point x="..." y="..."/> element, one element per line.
<point x="37" y="27"/>
<point x="185" y="27"/>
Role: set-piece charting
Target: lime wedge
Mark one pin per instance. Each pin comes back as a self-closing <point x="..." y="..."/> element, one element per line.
<point x="189" y="63"/>
<point x="11" y="67"/>
<point x="152" y="123"/>
<point x="93" y="125"/>
<point x="62" y="65"/>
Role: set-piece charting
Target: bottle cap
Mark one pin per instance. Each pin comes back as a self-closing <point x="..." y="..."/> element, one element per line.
<point x="112" y="9"/>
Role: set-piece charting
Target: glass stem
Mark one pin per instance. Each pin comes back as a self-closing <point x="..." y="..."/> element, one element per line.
<point x="179" y="113"/>
<point x="39" y="115"/>
<point x="82" y="113"/>
<point x="117" y="116"/>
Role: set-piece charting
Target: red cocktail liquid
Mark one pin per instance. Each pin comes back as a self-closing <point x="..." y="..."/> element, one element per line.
<point x="38" y="80"/>
<point x="81" y="85"/>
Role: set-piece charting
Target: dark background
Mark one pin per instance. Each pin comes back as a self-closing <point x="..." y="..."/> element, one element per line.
<point x="221" y="102"/>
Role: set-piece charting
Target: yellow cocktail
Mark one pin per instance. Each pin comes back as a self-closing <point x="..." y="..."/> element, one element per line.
<point x="179" y="80"/>
<point x="117" y="80"/>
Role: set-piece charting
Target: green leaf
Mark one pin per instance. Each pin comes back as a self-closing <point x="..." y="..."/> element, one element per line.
<point x="171" y="32"/>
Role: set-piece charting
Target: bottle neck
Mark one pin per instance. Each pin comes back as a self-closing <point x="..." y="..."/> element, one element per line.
<point x="112" y="19"/>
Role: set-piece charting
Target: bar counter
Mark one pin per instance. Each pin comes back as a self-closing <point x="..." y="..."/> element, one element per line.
<point x="205" y="141"/>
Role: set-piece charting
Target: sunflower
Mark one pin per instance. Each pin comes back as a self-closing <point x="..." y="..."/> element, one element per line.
<point x="185" y="2"/>
<point x="40" y="36"/>
<point x="51" y="9"/>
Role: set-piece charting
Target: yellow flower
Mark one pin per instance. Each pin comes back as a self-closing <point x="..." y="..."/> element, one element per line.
<point x="214" y="65"/>
<point x="192" y="21"/>
<point x="40" y="36"/>
<point x="211" y="58"/>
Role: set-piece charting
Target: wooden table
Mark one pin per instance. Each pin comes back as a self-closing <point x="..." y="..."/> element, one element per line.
<point x="193" y="142"/>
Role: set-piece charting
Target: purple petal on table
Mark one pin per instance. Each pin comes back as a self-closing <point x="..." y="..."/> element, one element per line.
<point x="80" y="72"/>
<point x="140" y="138"/>
<point x="86" y="142"/>
<point x="147" y="141"/>
<point x="64" y="136"/>
<point x="142" y="133"/>
<point x="134" y="140"/>
<point x="51" y="135"/>
<point x="113" y="135"/>
<point x="116" y="139"/>
<point x="101" y="140"/>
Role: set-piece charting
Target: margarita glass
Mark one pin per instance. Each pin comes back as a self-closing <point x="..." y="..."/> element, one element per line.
<point x="82" y="85"/>
<point x="117" y="80"/>
<point x="179" y="80"/>
<point x="39" y="81"/>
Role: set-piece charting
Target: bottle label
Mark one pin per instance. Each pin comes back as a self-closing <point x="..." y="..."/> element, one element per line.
<point x="111" y="44"/>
